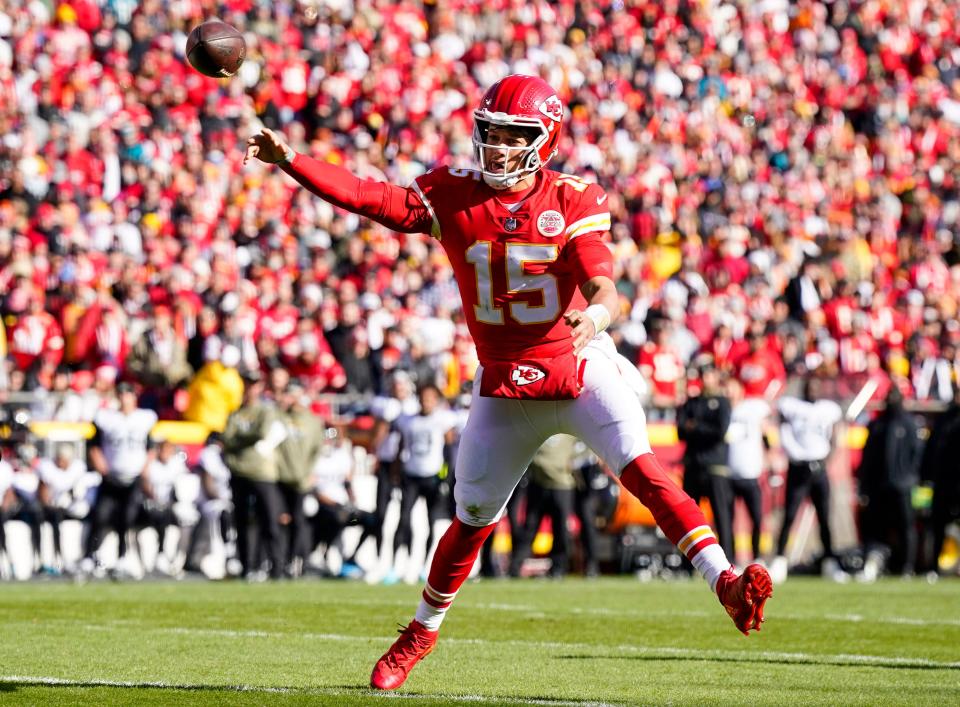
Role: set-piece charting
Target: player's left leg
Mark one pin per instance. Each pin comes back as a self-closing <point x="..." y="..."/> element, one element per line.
<point x="496" y="447"/>
<point x="608" y="416"/>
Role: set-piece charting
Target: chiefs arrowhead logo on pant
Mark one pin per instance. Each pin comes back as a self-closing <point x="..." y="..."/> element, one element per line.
<point x="525" y="375"/>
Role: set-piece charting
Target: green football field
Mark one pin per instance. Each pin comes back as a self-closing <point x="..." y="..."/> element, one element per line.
<point x="576" y="642"/>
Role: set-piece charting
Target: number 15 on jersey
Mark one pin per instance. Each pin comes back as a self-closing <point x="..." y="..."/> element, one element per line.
<point x="516" y="259"/>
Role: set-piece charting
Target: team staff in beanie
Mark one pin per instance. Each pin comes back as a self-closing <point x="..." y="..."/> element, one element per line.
<point x="702" y="424"/>
<point x="250" y="444"/>
<point x="888" y="472"/>
<point x="296" y="457"/>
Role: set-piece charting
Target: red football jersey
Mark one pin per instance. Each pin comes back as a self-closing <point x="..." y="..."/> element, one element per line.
<point x="519" y="270"/>
<point x="663" y="366"/>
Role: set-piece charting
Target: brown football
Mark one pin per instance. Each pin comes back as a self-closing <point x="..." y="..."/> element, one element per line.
<point x="216" y="49"/>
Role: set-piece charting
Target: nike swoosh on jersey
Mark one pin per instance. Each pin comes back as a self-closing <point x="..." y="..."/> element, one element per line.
<point x="601" y="199"/>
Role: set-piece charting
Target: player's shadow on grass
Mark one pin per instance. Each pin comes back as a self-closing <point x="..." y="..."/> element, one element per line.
<point x="888" y="664"/>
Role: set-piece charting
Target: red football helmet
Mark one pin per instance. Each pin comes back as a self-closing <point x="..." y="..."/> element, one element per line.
<point x="523" y="102"/>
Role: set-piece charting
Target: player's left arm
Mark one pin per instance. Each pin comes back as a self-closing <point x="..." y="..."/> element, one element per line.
<point x="592" y="265"/>
<point x="589" y="259"/>
<point x="602" y="307"/>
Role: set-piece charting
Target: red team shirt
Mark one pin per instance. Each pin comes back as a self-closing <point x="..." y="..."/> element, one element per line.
<point x="518" y="270"/>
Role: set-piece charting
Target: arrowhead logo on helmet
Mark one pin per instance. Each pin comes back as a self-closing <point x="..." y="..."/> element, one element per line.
<point x="552" y="108"/>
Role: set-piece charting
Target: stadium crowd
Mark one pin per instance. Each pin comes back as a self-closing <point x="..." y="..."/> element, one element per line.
<point x="782" y="178"/>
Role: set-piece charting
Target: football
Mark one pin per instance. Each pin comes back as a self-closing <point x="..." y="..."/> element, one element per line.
<point x="216" y="49"/>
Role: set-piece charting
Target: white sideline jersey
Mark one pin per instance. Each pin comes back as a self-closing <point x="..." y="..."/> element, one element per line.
<point x="807" y="428"/>
<point x="389" y="410"/>
<point x="331" y="471"/>
<point x="61" y="482"/>
<point x="26" y="484"/>
<point x="211" y="461"/>
<point x="423" y="439"/>
<point x="163" y="478"/>
<point x="124" y="441"/>
<point x="745" y="438"/>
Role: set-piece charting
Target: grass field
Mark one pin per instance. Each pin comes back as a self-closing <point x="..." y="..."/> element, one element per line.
<point x="609" y="641"/>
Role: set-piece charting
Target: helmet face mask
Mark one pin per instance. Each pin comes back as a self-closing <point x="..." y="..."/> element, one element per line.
<point x="511" y="155"/>
<point x="524" y="115"/>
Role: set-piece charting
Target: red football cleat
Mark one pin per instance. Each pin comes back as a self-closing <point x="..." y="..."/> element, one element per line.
<point x="391" y="670"/>
<point x="743" y="597"/>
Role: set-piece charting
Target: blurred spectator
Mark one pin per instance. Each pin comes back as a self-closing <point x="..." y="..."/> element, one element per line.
<point x="28" y="509"/>
<point x="761" y="369"/>
<point x="332" y="489"/>
<point x="120" y="451"/>
<point x="660" y="363"/>
<point x="550" y="494"/>
<point x="807" y="434"/>
<point x="250" y="443"/>
<point x="213" y="540"/>
<point x="159" y="508"/>
<point x="589" y="476"/>
<point x="702" y="423"/>
<point x="420" y="458"/>
<point x="936" y="375"/>
<point x="746" y="442"/>
<point x="296" y="458"/>
<point x="62" y="494"/>
<point x="205" y="327"/>
<point x="803" y="295"/>
<point x="886" y="477"/>
<point x="358" y="366"/>
<point x="216" y="390"/>
<point x="158" y="359"/>
<point x="59" y="402"/>
<point x="400" y="401"/>
<point x="939" y="468"/>
<point x="36" y="342"/>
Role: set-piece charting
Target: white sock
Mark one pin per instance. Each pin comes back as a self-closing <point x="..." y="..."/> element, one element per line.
<point x="711" y="562"/>
<point x="433" y="607"/>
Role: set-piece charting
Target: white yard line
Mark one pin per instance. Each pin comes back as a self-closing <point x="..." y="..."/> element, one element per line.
<point x="534" y="611"/>
<point x="43" y="681"/>
<point x="66" y="682"/>
<point x="601" y="651"/>
<point x="644" y="613"/>
<point x="906" y="620"/>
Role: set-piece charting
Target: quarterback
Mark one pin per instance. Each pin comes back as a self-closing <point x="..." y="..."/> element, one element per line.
<point x="535" y="276"/>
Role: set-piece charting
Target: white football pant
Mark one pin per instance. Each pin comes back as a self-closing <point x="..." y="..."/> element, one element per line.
<point x="502" y="435"/>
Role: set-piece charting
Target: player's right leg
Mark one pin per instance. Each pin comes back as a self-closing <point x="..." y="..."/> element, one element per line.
<point x="496" y="447"/>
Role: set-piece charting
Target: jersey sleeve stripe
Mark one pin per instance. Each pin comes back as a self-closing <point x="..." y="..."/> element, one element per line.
<point x="596" y="222"/>
<point x="435" y="230"/>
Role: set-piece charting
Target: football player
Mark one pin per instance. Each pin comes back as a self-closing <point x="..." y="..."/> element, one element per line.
<point x="120" y="451"/>
<point x="527" y="248"/>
